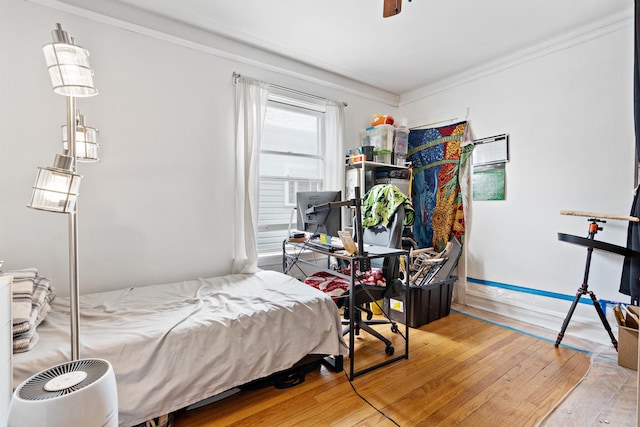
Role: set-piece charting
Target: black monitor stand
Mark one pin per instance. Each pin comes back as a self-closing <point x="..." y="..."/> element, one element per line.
<point x="356" y="202"/>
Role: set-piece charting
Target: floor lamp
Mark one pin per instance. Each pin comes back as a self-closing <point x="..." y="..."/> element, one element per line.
<point x="56" y="188"/>
<point x="81" y="392"/>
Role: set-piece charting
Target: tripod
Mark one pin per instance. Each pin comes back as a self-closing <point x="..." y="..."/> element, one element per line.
<point x="590" y="243"/>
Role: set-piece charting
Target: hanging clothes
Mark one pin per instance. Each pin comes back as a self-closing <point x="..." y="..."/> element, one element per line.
<point x="630" y="279"/>
<point x="439" y="159"/>
<point x="381" y="202"/>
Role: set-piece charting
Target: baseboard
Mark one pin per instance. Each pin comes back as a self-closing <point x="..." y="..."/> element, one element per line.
<point x="542" y="311"/>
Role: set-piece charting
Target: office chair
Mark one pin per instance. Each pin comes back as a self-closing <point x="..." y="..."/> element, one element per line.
<point x="366" y="293"/>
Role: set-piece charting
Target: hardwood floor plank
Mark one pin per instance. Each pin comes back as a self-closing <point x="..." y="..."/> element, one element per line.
<point x="475" y="390"/>
<point x="460" y="371"/>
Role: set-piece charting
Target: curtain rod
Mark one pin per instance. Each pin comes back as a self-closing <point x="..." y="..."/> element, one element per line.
<point x="452" y="120"/>
<point x="236" y="76"/>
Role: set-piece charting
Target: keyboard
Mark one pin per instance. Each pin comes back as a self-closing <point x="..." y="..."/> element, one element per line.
<point x="323" y="246"/>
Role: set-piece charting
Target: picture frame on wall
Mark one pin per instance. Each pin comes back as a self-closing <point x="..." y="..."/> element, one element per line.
<point x="491" y="150"/>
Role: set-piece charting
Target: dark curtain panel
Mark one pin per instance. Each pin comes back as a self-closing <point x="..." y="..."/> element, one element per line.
<point x="630" y="282"/>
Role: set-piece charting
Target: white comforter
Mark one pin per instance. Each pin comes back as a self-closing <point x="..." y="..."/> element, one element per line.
<point x="173" y="345"/>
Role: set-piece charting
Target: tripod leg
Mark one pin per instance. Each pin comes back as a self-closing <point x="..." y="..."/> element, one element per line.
<point x="569" y="314"/>
<point x="604" y="320"/>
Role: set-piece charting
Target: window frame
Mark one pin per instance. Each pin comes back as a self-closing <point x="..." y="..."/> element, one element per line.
<point x="302" y="105"/>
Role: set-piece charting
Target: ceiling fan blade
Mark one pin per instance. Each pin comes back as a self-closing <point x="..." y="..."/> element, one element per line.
<point x="391" y="7"/>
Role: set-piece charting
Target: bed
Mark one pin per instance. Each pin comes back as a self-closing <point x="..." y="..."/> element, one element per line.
<point x="176" y="344"/>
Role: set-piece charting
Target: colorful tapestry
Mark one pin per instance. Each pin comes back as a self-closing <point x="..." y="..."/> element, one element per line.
<point x="438" y="156"/>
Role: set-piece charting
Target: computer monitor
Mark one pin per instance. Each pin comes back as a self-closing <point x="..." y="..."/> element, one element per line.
<point x="326" y="221"/>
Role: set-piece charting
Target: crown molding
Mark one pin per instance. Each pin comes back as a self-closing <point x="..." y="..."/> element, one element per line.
<point x="129" y="18"/>
<point x="579" y="36"/>
<point x="177" y="33"/>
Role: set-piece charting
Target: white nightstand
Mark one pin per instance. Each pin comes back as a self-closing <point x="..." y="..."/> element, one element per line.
<point x="6" y="346"/>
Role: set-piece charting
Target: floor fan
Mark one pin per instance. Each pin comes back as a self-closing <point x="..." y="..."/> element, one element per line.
<point x="78" y="393"/>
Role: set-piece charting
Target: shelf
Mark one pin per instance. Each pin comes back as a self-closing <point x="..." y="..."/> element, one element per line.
<point x="359" y="165"/>
<point x="363" y="175"/>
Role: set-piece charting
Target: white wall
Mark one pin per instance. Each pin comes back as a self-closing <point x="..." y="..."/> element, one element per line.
<point x="159" y="206"/>
<point x="568" y="110"/>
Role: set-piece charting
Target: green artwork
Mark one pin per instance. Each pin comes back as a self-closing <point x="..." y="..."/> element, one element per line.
<point x="488" y="183"/>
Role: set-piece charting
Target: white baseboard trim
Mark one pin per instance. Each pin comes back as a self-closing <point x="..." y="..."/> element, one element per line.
<point x="542" y="311"/>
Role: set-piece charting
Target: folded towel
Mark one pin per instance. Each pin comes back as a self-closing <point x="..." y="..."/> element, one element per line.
<point x="30" y="306"/>
<point x="41" y="286"/>
<point x="21" y="305"/>
<point x="25" y="342"/>
<point x="22" y="288"/>
<point x="25" y="273"/>
<point x="43" y="310"/>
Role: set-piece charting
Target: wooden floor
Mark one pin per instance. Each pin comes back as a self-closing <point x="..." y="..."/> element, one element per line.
<point x="460" y="371"/>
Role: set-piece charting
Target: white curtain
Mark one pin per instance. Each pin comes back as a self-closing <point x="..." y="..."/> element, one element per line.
<point x="251" y="105"/>
<point x="335" y="155"/>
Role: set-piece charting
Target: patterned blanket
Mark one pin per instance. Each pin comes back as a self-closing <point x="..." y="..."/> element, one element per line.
<point x="335" y="286"/>
<point x="438" y="157"/>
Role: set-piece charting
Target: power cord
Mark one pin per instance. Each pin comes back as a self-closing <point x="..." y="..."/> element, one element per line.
<point x="367" y="402"/>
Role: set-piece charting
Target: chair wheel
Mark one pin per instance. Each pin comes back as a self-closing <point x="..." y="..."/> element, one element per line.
<point x="394" y="328"/>
<point x="389" y="350"/>
<point x="369" y="315"/>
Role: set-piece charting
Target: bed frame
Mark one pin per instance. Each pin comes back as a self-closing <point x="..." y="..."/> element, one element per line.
<point x="176" y="344"/>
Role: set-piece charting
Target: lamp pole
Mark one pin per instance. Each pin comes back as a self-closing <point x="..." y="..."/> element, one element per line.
<point x="74" y="285"/>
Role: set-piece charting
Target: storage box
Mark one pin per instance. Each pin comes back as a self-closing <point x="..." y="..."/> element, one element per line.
<point x="401" y="143"/>
<point x="399" y="159"/>
<point x="381" y="137"/>
<point x="382" y="156"/>
<point x="628" y="344"/>
<point x="428" y="303"/>
<point x="365" y="138"/>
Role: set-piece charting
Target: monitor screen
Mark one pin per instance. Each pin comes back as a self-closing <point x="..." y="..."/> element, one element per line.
<point x="327" y="221"/>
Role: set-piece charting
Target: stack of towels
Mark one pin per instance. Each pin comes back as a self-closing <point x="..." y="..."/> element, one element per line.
<point x="31" y="297"/>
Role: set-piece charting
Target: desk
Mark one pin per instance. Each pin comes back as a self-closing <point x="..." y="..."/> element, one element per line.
<point x="291" y="256"/>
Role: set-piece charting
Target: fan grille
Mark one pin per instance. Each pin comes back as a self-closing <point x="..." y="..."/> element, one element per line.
<point x="33" y="388"/>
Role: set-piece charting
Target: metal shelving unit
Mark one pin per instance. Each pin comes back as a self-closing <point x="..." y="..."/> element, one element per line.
<point x="364" y="175"/>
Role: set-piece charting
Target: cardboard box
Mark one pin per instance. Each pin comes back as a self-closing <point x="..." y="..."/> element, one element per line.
<point x="628" y="342"/>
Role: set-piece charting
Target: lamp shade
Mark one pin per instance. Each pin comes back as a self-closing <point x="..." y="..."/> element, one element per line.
<point x="56" y="188"/>
<point x="86" y="141"/>
<point x="69" y="69"/>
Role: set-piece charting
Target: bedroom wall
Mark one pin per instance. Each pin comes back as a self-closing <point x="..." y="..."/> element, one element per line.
<point x="568" y="109"/>
<point x="159" y="206"/>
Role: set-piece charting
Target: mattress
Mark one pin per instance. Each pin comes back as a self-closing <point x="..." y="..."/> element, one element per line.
<point x="175" y="344"/>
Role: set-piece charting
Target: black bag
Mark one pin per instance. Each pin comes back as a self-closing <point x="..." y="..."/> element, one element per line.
<point x="287" y="378"/>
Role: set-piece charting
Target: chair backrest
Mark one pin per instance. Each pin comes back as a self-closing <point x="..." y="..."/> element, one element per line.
<point x="390" y="237"/>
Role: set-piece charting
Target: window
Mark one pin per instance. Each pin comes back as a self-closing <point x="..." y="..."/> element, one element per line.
<point x="292" y="159"/>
